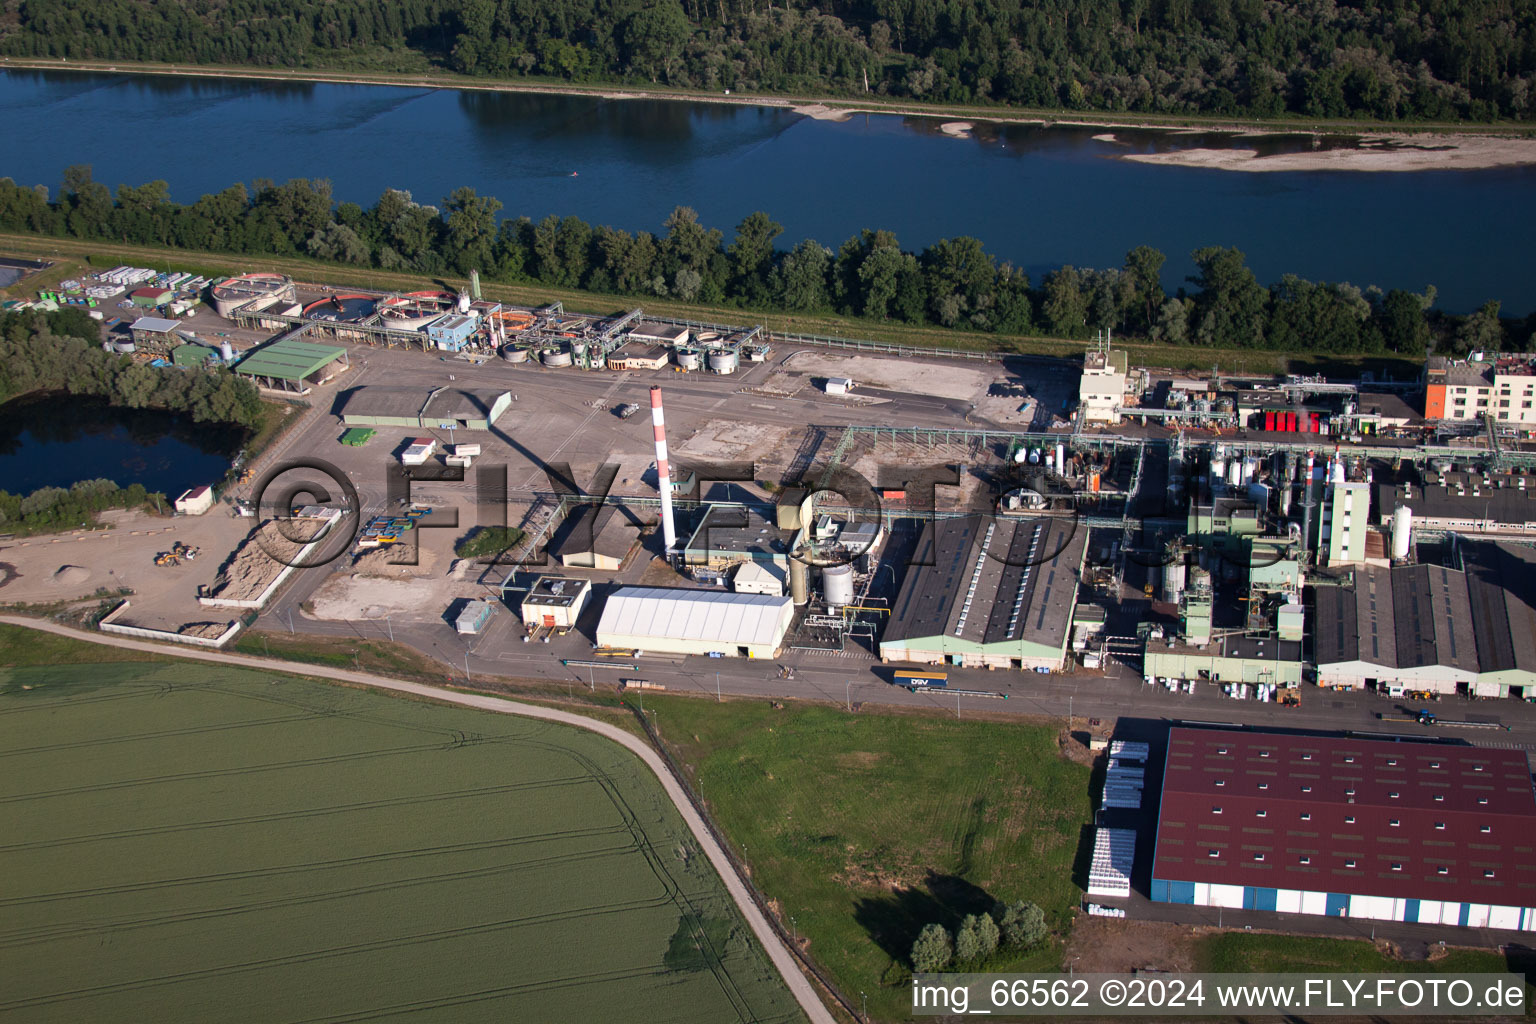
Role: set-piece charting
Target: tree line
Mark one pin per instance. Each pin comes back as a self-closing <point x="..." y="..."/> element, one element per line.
<point x="50" y="352"/>
<point x="55" y="508"/>
<point x="1383" y="59"/>
<point x="953" y="283"/>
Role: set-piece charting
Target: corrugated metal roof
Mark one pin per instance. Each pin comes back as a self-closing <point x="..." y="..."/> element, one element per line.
<point x="158" y="324"/>
<point x="1370" y="817"/>
<point x="289" y="360"/>
<point x="694" y="615"/>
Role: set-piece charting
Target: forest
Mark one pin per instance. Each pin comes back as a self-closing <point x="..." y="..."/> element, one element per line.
<point x="1390" y="60"/>
<point x="953" y="283"/>
<point x="50" y="352"/>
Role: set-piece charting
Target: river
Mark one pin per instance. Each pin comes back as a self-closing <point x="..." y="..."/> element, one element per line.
<point x="55" y="440"/>
<point x="1039" y="197"/>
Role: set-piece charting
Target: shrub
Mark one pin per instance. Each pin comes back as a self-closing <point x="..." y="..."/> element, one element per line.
<point x="1023" y="924"/>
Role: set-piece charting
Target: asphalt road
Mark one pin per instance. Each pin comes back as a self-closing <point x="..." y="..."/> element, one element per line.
<point x="782" y="959"/>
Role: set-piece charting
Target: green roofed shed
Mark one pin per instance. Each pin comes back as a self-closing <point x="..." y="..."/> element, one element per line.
<point x="290" y="365"/>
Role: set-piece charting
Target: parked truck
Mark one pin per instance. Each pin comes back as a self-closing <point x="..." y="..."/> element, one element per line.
<point x="918" y="679"/>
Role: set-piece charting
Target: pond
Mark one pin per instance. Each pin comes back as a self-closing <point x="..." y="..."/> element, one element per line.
<point x="54" y="440"/>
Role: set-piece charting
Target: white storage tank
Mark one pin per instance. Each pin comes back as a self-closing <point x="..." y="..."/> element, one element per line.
<point x="514" y="355"/>
<point x="688" y="358"/>
<point x="799" y="581"/>
<point x="837" y="585"/>
<point x="723" y="361"/>
<point x="1402" y="532"/>
<point x="555" y="357"/>
<point x="1173" y="579"/>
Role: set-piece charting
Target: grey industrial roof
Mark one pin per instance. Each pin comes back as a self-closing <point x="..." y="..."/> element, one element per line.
<point x="1404" y="617"/>
<point x="1501" y="586"/>
<point x="611" y="534"/>
<point x="990" y="580"/>
<point x="543" y="592"/>
<point x="159" y="325"/>
<point x="738" y="530"/>
<point x="427" y="403"/>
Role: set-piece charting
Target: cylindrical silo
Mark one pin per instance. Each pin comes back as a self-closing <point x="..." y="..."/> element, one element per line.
<point x="1173" y="576"/>
<point x="1402" y="531"/>
<point x="723" y="361"/>
<point x="555" y="357"/>
<point x="513" y="354"/>
<point x="837" y="585"/>
<point x="799" y="581"/>
<point x="688" y="358"/>
<point x="226" y="351"/>
<point x="1235" y="472"/>
<point x="1061" y="460"/>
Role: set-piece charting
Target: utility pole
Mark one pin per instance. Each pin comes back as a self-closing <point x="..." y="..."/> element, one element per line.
<point x="466" y="665"/>
<point x="848" y="693"/>
<point x="717" y="687"/>
<point x="391" y="627"/>
<point x="591" y="681"/>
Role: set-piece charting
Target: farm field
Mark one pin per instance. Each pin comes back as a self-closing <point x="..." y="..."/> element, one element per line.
<point x="186" y="843"/>
<point x="863" y="828"/>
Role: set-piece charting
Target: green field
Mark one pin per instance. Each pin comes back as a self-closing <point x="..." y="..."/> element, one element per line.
<point x="191" y="844"/>
<point x="1244" y="953"/>
<point x="865" y="827"/>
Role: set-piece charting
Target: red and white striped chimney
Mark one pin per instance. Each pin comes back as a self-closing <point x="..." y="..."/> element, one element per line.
<point x="663" y="474"/>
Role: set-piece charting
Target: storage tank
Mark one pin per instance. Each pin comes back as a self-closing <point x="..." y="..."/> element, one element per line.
<point x="837" y="585"/>
<point x="226" y="351"/>
<point x="723" y="361"/>
<point x="1173" y="577"/>
<point x="1218" y="470"/>
<point x="514" y="355"/>
<point x="124" y="345"/>
<point x="1061" y="460"/>
<point x="1402" y="532"/>
<point x="688" y="358"/>
<point x="1235" y="472"/>
<point x="555" y="357"/>
<point x="799" y="581"/>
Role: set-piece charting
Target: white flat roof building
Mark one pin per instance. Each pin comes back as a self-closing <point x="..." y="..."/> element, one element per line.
<point x="677" y="621"/>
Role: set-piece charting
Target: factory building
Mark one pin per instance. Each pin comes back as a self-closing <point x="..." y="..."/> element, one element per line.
<point x="155" y="335"/>
<point x="290" y="365"/>
<point x="704" y="622"/>
<point x="1503" y="388"/>
<point x="994" y="592"/>
<point x="1407" y="627"/>
<point x="647" y="332"/>
<point x="443" y="408"/>
<point x="1463" y="500"/>
<point x="453" y="332"/>
<point x="554" y="602"/>
<point x="759" y="578"/>
<point x="1244" y="658"/>
<point x="592" y="537"/>
<point x="1501" y="588"/>
<point x="730" y="534"/>
<point x="1346" y="516"/>
<point x="1347" y="827"/>
<point x="1101" y="390"/>
<point x="638" y="357"/>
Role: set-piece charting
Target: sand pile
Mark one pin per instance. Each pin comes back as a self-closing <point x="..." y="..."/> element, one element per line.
<point x="71" y="575"/>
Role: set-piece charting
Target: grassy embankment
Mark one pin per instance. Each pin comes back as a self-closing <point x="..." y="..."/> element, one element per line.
<point x="864" y="827"/>
<point x="410" y="68"/>
<point x="186" y="836"/>
<point x="1142" y="353"/>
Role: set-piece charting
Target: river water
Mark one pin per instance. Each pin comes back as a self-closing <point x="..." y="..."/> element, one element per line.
<point x="55" y="440"/>
<point x="1039" y="197"/>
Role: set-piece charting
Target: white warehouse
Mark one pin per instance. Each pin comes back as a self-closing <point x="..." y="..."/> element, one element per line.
<point x="675" y="621"/>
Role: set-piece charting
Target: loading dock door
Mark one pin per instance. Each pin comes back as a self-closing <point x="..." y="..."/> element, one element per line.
<point x="549" y="620"/>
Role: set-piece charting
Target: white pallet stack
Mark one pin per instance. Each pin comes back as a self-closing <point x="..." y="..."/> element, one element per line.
<point x="1114" y="851"/>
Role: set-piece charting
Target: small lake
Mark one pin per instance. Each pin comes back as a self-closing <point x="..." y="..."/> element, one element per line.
<point x="55" y="440"/>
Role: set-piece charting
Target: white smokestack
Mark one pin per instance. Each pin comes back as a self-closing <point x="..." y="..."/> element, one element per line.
<point x="663" y="475"/>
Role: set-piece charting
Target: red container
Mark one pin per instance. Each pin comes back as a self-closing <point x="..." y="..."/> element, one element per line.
<point x="1269" y="421"/>
<point x="1317" y="421"/>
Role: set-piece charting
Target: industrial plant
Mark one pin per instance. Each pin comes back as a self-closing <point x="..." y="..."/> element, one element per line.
<point x="938" y="526"/>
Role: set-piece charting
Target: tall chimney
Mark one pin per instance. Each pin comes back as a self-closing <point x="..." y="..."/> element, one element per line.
<point x="663" y="475"/>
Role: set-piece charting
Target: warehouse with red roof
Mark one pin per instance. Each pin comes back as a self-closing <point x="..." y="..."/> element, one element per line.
<point x="1348" y="827"/>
